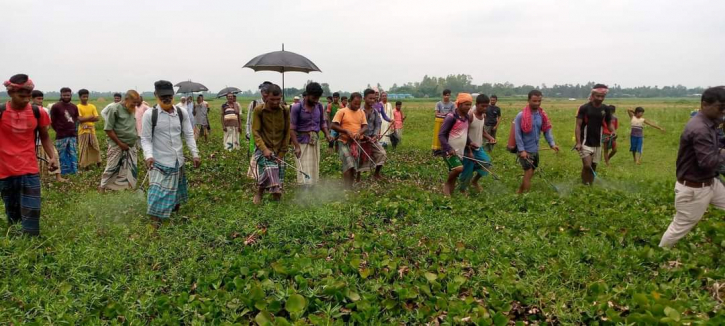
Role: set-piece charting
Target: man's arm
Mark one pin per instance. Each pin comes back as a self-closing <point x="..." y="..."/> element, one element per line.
<point x="443" y="134"/>
<point x="188" y="137"/>
<point x="147" y="141"/>
<point x="48" y="147"/>
<point x="382" y="113"/>
<point x="519" y="134"/>
<point x="707" y="158"/>
<point x="112" y="135"/>
<point x="250" y="113"/>
<point x="498" y="121"/>
<point x="577" y="133"/>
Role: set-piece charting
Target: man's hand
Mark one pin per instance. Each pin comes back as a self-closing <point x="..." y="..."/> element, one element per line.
<point x="578" y="147"/>
<point x="280" y="157"/>
<point x="149" y="163"/>
<point x="524" y="155"/>
<point x="555" y="148"/>
<point x="267" y="153"/>
<point x="349" y="134"/>
<point x="53" y="164"/>
<point x="224" y="129"/>
<point x="197" y="162"/>
<point x="246" y="136"/>
<point x="298" y="151"/>
<point x="475" y="146"/>
<point x="492" y="140"/>
<point x="330" y="138"/>
<point x="451" y="152"/>
<point x="123" y="146"/>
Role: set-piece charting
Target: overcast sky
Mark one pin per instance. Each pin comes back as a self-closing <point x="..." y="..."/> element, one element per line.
<point x="120" y="45"/>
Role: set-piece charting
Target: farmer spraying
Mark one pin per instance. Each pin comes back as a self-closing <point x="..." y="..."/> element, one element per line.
<point x="588" y="131"/>
<point x="351" y="124"/>
<point x="271" y="129"/>
<point x="479" y="160"/>
<point x="307" y="119"/>
<point x="455" y="140"/>
<point x="528" y="126"/>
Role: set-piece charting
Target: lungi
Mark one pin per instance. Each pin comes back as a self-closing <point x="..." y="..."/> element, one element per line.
<point x="67" y="155"/>
<point x="349" y="154"/>
<point x="21" y="195"/>
<point x="44" y="161"/>
<point x="270" y="172"/>
<point x="167" y="188"/>
<point x="231" y="138"/>
<point x="121" y="168"/>
<point x="309" y="161"/>
<point x="89" y="152"/>
<point x="373" y="150"/>
<point x="471" y="166"/>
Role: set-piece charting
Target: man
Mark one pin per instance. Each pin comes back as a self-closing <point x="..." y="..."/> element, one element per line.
<point x="43" y="159"/>
<point x="296" y="100"/>
<point x="491" y="122"/>
<point x="116" y="99"/>
<point x="455" y="139"/>
<point x="231" y="123"/>
<point x="122" y="157"/>
<point x="201" y="111"/>
<point x="385" y="127"/>
<point x="528" y="126"/>
<point x="89" y="152"/>
<point x="378" y="105"/>
<point x="307" y="119"/>
<point x="588" y="131"/>
<point x="63" y="118"/>
<point x="477" y="159"/>
<point x="698" y="160"/>
<point x="186" y="104"/>
<point x="373" y="155"/>
<point x="331" y="111"/>
<point x="164" y="153"/>
<point x="351" y="124"/>
<point x="442" y="109"/>
<point x="20" y="124"/>
<point x="271" y="128"/>
<point x="139" y="112"/>
<point x="251" y="172"/>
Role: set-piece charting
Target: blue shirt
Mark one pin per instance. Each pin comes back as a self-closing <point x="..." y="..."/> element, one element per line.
<point x="529" y="142"/>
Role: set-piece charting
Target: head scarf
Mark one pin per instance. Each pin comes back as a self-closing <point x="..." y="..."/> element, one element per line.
<point x="600" y="90"/>
<point x="11" y="87"/>
<point x="463" y="97"/>
<point x="527" y="120"/>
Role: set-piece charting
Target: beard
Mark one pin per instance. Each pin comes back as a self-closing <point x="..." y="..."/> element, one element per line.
<point x="65" y="100"/>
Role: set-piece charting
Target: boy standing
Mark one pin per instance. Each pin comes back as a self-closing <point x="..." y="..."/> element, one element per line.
<point x="528" y="126"/>
<point x="20" y="122"/>
<point x="89" y="152"/>
<point x="609" y="137"/>
<point x="398" y="119"/>
<point x="493" y="119"/>
<point x="637" y="134"/>
<point x="454" y="140"/>
<point x="331" y="111"/>
<point x="350" y="123"/>
<point x="201" y="118"/>
<point x="63" y="118"/>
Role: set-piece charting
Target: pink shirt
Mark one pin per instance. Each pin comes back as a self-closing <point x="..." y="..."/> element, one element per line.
<point x="139" y="116"/>
<point x="398" y="117"/>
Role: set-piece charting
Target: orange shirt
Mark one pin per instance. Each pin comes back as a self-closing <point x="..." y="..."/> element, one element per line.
<point x="350" y="120"/>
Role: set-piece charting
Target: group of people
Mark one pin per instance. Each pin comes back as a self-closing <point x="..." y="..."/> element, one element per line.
<point x="354" y="127"/>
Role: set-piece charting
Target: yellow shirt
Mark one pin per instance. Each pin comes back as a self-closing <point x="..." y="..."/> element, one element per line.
<point x="87" y="111"/>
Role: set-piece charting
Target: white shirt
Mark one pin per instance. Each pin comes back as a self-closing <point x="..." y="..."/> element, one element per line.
<point x="104" y="112"/>
<point x="250" y="109"/>
<point x="165" y="145"/>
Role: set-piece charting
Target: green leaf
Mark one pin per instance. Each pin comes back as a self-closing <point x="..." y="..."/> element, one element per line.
<point x="500" y="319"/>
<point x="263" y="318"/>
<point x="430" y="276"/>
<point x="672" y="313"/>
<point x="352" y="295"/>
<point x="365" y="272"/>
<point x="279" y="321"/>
<point x="355" y="263"/>
<point x="295" y="303"/>
<point x="256" y="293"/>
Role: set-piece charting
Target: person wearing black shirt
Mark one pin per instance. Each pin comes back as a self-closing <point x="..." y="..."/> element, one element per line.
<point x="588" y="131"/>
<point x="491" y="122"/>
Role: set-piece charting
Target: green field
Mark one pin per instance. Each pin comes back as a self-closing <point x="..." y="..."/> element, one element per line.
<point x="395" y="252"/>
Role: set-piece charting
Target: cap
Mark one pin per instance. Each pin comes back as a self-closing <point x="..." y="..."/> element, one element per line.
<point x="297" y="97"/>
<point x="164" y="87"/>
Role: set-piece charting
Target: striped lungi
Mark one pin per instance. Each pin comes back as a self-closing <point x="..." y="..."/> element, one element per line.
<point x="167" y="188"/>
<point x="67" y="155"/>
<point x="270" y="172"/>
<point x="349" y="154"/>
<point x="121" y="168"/>
<point x="43" y="160"/>
<point x="309" y="161"/>
<point x="21" y="195"/>
<point x="89" y="152"/>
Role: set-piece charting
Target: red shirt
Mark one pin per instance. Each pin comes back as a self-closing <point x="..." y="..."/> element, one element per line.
<point x="17" y="141"/>
<point x="605" y="128"/>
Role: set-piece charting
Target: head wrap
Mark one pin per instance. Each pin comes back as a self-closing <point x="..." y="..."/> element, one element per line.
<point x="463" y="97"/>
<point x="11" y="87"/>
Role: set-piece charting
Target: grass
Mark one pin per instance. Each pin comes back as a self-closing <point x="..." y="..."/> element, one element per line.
<point x="396" y="252"/>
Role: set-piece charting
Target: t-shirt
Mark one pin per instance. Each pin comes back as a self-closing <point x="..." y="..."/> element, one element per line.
<point x="123" y="123"/>
<point x="63" y="118"/>
<point x="398" y="117"/>
<point x="350" y="120"/>
<point x="492" y="114"/>
<point x="17" y="141"/>
<point x="592" y="125"/>
<point x="202" y="113"/>
<point x="605" y="127"/>
<point x="332" y="109"/>
<point x="47" y="111"/>
<point x="88" y="110"/>
<point x="637" y="127"/>
<point x="445" y="108"/>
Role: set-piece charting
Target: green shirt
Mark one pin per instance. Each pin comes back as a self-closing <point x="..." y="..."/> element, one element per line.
<point x="123" y="123"/>
<point x="333" y="109"/>
<point x="271" y="128"/>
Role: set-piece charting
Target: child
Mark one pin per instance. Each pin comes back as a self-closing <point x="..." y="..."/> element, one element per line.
<point x="454" y="139"/>
<point x="476" y="160"/>
<point x="609" y="141"/>
<point x="343" y="101"/>
<point x="637" y="135"/>
<point x="398" y="117"/>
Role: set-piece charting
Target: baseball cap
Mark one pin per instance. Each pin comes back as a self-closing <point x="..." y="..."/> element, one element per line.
<point x="164" y="87"/>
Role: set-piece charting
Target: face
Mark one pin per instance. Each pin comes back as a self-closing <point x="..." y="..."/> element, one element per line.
<point x="464" y="107"/>
<point x="84" y="98"/>
<point x="535" y="102"/>
<point x="371" y="99"/>
<point x="446" y="97"/>
<point x="598" y="98"/>
<point x="398" y="107"/>
<point x="344" y="102"/>
<point x="312" y="100"/>
<point x="230" y="98"/>
<point x="336" y="99"/>
<point x="20" y="98"/>
<point x="355" y="103"/>
<point x="639" y="114"/>
<point x="165" y="99"/>
<point x="377" y="96"/>
<point x="38" y="101"/>
<point x="199" y="99"/>
<point x="274" y="100"/>
<point x="296" y="100"/>
<point x="65" y="97"/>
<point x="714" y="111"/>
<point x="130" y="102"/>
<point x="481" y="107"/>
<point x="494" y="101"/>
<point x="384" y="97"/>
<point x="116" y="99"/>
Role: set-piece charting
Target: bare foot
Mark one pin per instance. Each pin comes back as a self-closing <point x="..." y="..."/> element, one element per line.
<point x="257" y="199"/>
<point x="477" y="187"/>
<point x="378" y="177"/>
<point x="101" y="190"/>
<point x="60" y="179"/>
<point x="277" y="197"/>
<point x="446" y="190"/>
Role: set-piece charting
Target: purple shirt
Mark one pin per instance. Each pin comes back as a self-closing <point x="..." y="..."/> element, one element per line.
<point x="303" y="121"/>
<point x="381" y="108"/>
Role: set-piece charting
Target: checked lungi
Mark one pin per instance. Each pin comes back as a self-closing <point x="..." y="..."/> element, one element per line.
<point x="67" y="155"/>
<point x="349" y="154"/>
<point x="167" y="188"/>
<point x="21" y="195"/>
<point x="270" y="172"/>
<point x="121" y="168"/>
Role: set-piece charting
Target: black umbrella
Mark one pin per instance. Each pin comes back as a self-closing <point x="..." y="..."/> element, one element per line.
<point x="228" y="90"/>
<point x="281" y="61"/>
<point x="190" y="87"/>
